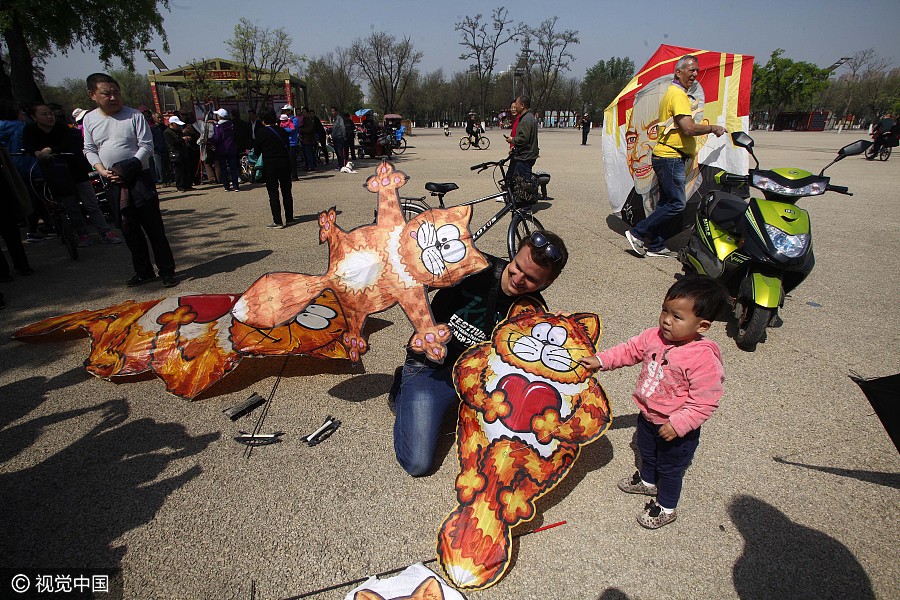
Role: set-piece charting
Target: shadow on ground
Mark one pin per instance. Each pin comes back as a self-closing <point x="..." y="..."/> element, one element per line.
<point x="783" y="559"/>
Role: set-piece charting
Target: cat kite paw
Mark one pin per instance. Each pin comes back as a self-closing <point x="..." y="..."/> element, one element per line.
<point x="386" y="178"/>
<point x="495" y="406"/>
<point x="545" y="425"/>
<point x="469" y="483"/>
<point x="431" y="341"/>
<point x="326" y="224"/>
<point x="516" y="505"/>
<point x="356" y="346"/>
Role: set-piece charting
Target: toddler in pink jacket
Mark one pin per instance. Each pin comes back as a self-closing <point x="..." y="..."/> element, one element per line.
<point x="679" y="387"/>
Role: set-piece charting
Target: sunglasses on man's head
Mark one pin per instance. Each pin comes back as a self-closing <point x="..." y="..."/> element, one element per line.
<point x="539" y="240"/>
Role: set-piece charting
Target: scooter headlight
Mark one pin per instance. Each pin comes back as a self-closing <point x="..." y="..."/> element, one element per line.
<point x="791" y="246"/>
<point x="768" y="184"/>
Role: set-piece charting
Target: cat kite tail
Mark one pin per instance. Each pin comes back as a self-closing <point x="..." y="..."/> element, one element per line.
<point x="631" y="127"/>
<point x="192" y="341"/>
<point x="527" y="408"/>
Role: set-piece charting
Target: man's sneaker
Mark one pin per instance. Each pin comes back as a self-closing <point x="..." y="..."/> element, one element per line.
<point x="169" y="281"/>
<point x="636" y="244"/>
<point x="274" y="225"/>
<point x="634" y="485"/>
<point x="110" y="238"/>
<point x="140" y="279"/>
<point x="84" y="240"/>
<point x="33" y="238"/>
<point x="664" y="253"/>
<point x="653" y="517"/>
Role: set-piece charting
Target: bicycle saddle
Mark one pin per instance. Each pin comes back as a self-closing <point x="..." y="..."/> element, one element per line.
<point x="440" y="188"/>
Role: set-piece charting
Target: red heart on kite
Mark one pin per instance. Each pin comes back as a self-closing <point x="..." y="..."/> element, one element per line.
<point x="208" y="307"/>
<point x="527" y="399"/>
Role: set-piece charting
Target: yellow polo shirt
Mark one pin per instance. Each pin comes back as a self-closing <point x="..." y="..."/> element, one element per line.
<point x="674" y="102"/>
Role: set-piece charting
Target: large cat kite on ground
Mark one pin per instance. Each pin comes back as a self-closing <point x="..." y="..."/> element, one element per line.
<point x="720" y="95"/>
<point x="192" y="341"/>
<point x="527" y="408"/>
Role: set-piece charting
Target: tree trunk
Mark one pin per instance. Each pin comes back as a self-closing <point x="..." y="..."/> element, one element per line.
<point x="21" y="66"/>
<point x="6" y="92"/>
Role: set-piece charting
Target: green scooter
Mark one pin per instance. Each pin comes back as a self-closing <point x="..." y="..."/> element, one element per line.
<point x="760" y="248"/>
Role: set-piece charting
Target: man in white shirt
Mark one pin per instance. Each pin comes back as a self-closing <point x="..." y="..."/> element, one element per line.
<point x="119" y="145"/>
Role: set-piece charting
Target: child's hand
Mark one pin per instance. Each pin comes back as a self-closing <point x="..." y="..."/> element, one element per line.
<point x="667" y="432"/>
<point x="592" y="363"/>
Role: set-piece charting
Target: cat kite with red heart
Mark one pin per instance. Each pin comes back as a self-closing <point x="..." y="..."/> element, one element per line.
<point x="527" y="408"/>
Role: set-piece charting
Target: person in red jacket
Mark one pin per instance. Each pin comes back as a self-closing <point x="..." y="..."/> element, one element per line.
<point x="679" y="387"/>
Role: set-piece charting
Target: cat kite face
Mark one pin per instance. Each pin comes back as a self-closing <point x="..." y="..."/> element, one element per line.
<point x="436" y="246"/>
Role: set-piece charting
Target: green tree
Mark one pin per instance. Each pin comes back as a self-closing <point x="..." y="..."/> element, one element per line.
<point x="603" y="82"/>
<point x="482" y="45"/>
<point x="262" y="53"/>
<point x="388" y="65"/>
<point x="198" y="86"/>
<point x="783" y="84"/>
<point x="32" y="29"/>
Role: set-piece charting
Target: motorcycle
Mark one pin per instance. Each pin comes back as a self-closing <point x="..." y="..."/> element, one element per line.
<point x="759" y="248"/>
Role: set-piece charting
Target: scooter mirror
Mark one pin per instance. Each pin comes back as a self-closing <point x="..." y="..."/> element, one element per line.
<point x="742" y="139"/>
<point x="857" y="147"/>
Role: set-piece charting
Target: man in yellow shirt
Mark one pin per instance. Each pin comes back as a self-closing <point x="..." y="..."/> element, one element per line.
<point x="674" y="147"/>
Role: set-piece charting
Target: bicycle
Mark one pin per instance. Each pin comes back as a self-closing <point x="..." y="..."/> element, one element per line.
<point x="59" y="217"/>
<point x="480" y="143"/>
<point x="517" y="197"/>
<point x="884" y="152"/>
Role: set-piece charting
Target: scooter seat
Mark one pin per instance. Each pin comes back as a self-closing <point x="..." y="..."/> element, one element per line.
<point x="440" y="188"/>
<point x="727" y="211"/>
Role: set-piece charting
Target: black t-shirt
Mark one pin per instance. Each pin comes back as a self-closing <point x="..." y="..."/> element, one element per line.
<point x="59" y="139"/>
<point x="465" y="308"/>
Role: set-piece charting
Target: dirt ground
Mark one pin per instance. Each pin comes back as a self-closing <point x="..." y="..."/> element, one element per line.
<point x="793" y="492"/>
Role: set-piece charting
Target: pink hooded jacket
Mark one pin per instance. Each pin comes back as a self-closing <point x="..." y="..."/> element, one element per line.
<point x="680" y="384"/>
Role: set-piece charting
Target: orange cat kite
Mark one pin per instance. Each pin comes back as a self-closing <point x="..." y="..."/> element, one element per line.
<point x="527" y="408"/>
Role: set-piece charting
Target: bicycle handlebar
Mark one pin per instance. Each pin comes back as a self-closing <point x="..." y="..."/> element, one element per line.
<point x="486" y="165"/>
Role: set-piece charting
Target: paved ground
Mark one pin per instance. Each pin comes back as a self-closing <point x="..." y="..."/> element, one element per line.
<point x="793" y="493"/>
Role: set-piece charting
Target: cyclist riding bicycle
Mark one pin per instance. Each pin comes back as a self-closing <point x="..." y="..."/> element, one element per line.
<point x="474" y="130"/>
<point x="885" y="134"/>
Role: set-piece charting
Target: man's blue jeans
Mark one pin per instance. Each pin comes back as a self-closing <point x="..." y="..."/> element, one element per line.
<point x="672" y="200"/>
<point x="425" y="395"/>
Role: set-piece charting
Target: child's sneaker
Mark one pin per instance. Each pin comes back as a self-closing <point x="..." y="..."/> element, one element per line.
<point x="634" y="485"/>
<point x="653" y="516"/>
<point x="110" y="238"/>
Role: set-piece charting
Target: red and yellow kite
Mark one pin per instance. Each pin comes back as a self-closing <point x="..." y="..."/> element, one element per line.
<point x="720" y="96"/>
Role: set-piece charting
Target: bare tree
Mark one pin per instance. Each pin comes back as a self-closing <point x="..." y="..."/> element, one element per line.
<point x="262" y="54"/>
<point x="482" y="47"/>
<point x="553" y="57"/>
<point x="388" y="65"/>
<point x="333" y="80"/>
<point x="861" y="63"/>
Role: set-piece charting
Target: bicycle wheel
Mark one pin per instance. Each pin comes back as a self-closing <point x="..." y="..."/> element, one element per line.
<point x="401" y="146"/>
<point x="464" y="143"/>
<point x="870" y="152"/>
<point x="484" y="143"/>
<point x="521" y="226"/>
<point x="65" y="230"/>
<point x="885" y="153"/>
<point x="411" y="210"/>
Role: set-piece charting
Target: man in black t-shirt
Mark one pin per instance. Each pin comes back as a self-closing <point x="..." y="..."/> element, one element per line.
<point x="423" y="390"/>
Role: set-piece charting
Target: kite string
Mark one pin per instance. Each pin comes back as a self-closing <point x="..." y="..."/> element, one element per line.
<point x="265" y="411"/>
